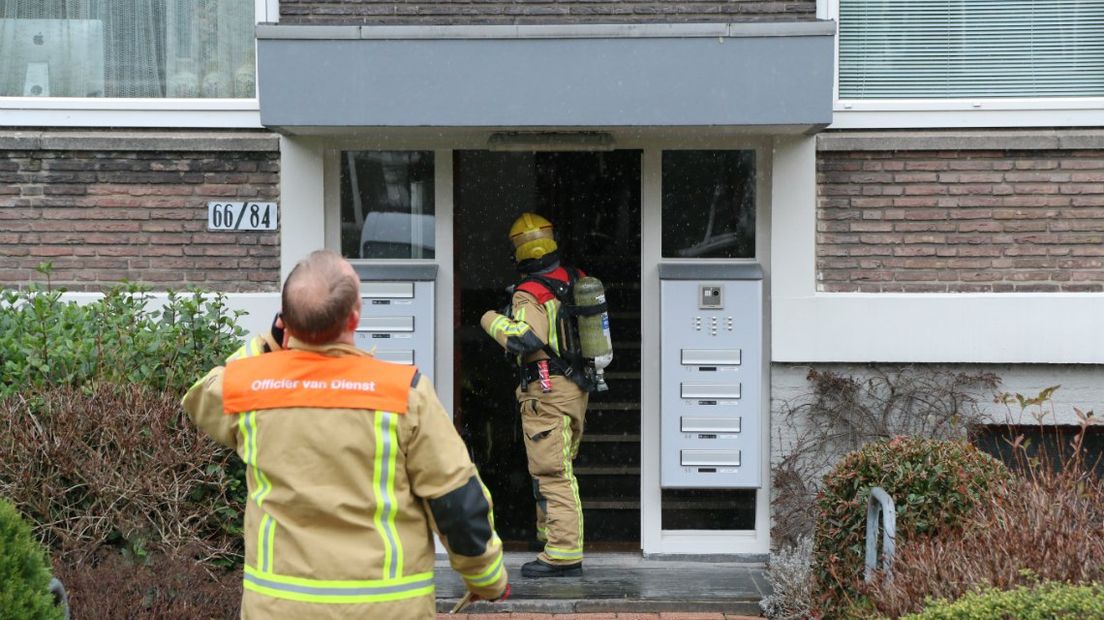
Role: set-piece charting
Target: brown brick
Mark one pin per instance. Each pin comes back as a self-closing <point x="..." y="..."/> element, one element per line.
<point x="1032" y="226"/>
<point x="981" y="226"/>
<point x="925" y="227"/>
<point x="104" y="216"/>
<point x="1036" y="164"/>
<point x="910" y="177"/>
<point x="930" y="189"/>
<point x="833" y="227"/>
<point x="1025" y="250"/>
<point x="978" y="221"/>
<point x="926" y="165"/>
<point x="1046" y="178"/>
<point x="871" y="226"/>
<point x="971" y="179"/>
<point x="913" y="201"/>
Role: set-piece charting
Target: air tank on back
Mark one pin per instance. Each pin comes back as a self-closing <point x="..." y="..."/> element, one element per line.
<point x="594" y="331"/>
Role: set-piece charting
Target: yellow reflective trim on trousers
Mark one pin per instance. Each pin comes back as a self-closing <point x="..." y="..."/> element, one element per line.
<point x="383" y="485"/>
<point x="337" y="591"/>
<point x="563" y="554"/>
<point x="569" y="473"/>
<point x="487" y="577"/>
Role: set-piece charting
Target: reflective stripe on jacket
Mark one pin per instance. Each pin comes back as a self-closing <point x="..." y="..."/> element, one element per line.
<point x="533" y="326"/>
<point x="349" y="461"/>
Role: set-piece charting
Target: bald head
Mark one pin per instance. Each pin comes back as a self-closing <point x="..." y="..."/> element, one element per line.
<point x="319" y="297"/>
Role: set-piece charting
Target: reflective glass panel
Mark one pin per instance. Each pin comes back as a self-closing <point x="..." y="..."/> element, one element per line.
<point x="708" y="204"/>
<point x="127" y="48"/>
<point x="387" y="204"/>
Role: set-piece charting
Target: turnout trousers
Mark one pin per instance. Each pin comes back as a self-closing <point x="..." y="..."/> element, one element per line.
<point x="552" y="423"/>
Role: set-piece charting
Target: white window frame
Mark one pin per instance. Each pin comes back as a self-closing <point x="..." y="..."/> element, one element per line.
<point x="955" y="113"/>
<point x="139" y="112"/>
<point x="813" y="326"/>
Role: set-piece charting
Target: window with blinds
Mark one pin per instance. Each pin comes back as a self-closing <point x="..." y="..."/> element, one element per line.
<point x="945" y="49"/>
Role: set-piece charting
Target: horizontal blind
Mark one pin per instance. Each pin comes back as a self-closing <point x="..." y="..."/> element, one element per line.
<point x="904" y="49"/>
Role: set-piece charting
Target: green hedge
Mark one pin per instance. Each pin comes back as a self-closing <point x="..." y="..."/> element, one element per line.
<point x="120" y="338"/>
<point x="24" y="576"/>
<point x="1044" y="602"/>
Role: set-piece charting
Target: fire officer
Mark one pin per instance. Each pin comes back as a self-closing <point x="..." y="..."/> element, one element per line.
<point x="551" y="401"/>
<point x="350" y="462"/>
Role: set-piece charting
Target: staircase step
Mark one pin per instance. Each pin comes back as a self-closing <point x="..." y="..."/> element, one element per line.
<point x="607" y="470"/>
<point x="613" y="406"/>
<point x="611" y="438"/>
<point x="610" y="504"/>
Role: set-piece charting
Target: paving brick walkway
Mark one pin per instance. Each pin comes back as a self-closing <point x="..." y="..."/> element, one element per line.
<point x="664" y="616"/>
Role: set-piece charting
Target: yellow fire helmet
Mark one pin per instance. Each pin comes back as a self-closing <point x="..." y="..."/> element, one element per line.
<point x="532" y="237"/>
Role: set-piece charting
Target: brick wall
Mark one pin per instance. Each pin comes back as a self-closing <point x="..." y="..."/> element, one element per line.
<point x="105" y="207"/>
<point x="994" y="220"/>
<point x="540" y="11"/>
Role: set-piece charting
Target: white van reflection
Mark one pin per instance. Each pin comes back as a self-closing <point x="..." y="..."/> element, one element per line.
<point x="392" y="234"/>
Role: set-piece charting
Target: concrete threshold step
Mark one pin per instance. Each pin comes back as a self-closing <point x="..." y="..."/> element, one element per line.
<point x="603" y="607"/>
<point x="622" y="583"/>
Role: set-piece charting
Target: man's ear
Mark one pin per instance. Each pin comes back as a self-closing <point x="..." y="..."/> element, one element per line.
<point x="353" y="321"/>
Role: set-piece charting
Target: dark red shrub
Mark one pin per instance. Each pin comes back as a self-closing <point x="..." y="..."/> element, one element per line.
<point x="118" y="465"/>
<point x="108" y="586"/>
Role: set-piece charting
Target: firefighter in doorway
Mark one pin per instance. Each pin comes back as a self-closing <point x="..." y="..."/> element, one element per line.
<point x="552" y="393"/>
<point x="350" y="462"/>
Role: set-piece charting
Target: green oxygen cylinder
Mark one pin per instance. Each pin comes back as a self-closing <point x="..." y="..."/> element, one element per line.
<point x="594" y="331"/>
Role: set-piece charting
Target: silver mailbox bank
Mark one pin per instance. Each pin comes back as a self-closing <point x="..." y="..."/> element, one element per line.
<point x="711" y="345"/>
<point x="396" y="317"/>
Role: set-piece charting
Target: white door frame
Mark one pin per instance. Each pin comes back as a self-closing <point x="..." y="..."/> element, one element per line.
<point x="309" y="174"/>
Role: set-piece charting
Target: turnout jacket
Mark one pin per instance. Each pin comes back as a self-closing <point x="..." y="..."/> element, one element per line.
<point x="350" y="462"/>
<point x="535" y="310"/>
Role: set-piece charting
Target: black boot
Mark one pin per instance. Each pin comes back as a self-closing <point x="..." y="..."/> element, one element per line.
<point x="539" y="568"/>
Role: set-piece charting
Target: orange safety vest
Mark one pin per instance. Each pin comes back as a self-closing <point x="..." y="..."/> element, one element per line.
<point x="294" y="378"/>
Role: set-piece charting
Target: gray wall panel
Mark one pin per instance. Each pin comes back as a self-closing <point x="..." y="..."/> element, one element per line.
<point x="546" y="82"/>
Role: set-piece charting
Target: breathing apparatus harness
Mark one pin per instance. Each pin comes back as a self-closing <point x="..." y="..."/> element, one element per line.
<point x="569" y="360"/>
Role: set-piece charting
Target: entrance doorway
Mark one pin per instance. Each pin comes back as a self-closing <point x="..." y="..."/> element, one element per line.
<point x="593" y="199"/>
